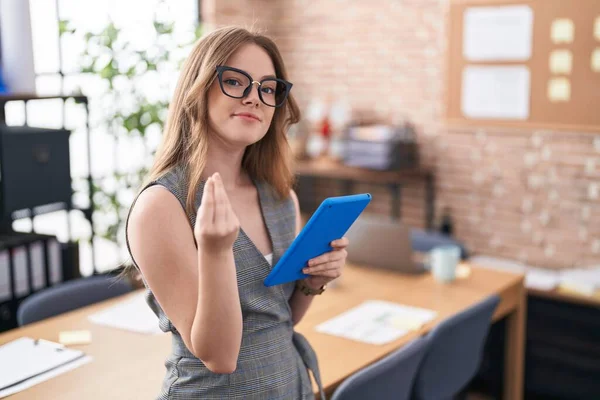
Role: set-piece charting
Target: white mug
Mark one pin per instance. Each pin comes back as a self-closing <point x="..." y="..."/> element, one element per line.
<point x="443" y="261"/>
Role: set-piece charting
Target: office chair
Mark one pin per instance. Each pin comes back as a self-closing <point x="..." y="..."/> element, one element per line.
<point x="391" y="377"/>
<point x="68" y="296"/>
<point x="454" y="353"/>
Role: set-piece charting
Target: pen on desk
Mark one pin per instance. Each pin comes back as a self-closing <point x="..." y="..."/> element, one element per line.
<point x="57" y="346"/>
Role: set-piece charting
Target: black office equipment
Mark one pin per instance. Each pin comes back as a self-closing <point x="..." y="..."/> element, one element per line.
<point x="34" y="168"/>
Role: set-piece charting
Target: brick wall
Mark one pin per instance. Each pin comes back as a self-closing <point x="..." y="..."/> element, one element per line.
<point x="515" y="193"/>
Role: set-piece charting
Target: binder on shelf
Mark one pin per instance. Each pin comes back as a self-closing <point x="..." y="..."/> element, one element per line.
<point x="29" y="262"/>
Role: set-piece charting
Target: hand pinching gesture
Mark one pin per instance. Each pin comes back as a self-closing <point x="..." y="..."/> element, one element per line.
<point x="217" y="226"/>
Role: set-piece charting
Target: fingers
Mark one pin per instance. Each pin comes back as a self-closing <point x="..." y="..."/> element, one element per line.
<point x="335" y="255"/>
<point x="329" y="264"/>
<point x="206" y="211"/>
<point x="340" y="243"/>
<point x="331" y="270"/>
<point x="221" y="201"/>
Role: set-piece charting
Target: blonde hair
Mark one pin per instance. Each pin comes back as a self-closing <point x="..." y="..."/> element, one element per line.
<point x="185" y="137"/>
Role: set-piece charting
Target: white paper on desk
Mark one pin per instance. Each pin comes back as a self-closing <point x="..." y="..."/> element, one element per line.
<point x="132" y="315"/>
<point x="46" y="376"/>
<point x="498" y="33"/>
<point x="24" y="358"/>
<point x="584" y="281"/>
<point x="537" y="278"/>
<point x="492" y="92"/>
<point x="376" y="322"/>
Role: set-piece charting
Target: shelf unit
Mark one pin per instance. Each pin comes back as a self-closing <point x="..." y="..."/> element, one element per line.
<point x="6" y="221"/>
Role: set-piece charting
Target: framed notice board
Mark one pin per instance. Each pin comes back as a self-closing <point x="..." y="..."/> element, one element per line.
<point x="533" y="63"/>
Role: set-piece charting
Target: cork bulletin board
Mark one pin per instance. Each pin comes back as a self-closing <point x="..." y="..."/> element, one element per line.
<point x="533" y="63"/>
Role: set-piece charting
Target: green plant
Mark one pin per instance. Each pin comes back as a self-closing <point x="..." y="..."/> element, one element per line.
<point x="127" y="110"/>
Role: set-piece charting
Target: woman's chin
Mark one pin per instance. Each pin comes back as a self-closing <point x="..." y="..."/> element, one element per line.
<point x="244" y="138"/>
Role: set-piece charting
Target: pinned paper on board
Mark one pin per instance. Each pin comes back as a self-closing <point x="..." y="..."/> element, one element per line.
<point x="596" y="60"/>
<point x="561" y="62"/>
<point x="559" y="90"/>
<point x="501" y="92"/>
<point x="562" y="31"/>
<point x="597" y="28"/>
<point x="498" y="33"/>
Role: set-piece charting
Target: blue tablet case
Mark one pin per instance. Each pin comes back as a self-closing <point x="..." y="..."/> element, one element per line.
<point x="332" y="219"/>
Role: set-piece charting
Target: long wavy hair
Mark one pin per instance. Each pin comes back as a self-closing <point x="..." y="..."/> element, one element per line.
<point x="185" y="137"/>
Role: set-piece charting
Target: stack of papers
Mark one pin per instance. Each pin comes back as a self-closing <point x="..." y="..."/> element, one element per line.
<point x="25" y="362"/>
<point x="542" y="279"/>
<point x="582" y="281"/>
<point x="377" y="322"/>
<point x="133" y="315"/>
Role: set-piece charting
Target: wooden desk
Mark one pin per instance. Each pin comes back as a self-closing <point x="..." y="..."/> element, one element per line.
<point x="325" y="168"/>
<point x="129" y="365"/>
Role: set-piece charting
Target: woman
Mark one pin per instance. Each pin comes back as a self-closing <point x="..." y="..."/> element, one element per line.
<point x="217" y="213"/>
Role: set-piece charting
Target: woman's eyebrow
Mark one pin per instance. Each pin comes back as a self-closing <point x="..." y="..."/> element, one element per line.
<point x="268" y="76"/>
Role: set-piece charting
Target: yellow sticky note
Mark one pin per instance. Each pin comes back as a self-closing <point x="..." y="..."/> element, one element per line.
<point x="75" y="337"/>
<point x="597" y="28"/>
<point x="561" y="61"/>
<point x="408" y="323"/>
<point x="559" y="89"/>
<point x="596" y="60"/>
<point x="463" y="271"/>
<point x="562" y="31"/>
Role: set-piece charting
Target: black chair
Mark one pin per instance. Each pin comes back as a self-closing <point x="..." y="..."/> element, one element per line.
<point x="69" y="296"/>
<point x="455" y="352"/>
<point x="390" y="378"/>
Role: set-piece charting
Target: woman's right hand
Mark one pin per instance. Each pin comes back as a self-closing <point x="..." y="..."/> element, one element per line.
<point x="217" y="226"/>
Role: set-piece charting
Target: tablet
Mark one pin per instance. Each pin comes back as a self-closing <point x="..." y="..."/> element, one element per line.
<point x="332" y="219"/>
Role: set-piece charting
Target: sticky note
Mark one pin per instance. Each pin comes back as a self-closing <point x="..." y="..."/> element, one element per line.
<point x="561" y="62"/>
<point x="408" y="322"/>
<point x="596" y="60"/>
<point x="463" y="271"/>
<point x="597" y="28"/>
<point x="559" y="89"/>
<point x="75" y="337"/>
<point x="562" y="31"/>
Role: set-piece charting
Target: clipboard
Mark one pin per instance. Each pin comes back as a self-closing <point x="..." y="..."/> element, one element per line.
<point x="332" y="219"/>
<point x="25" y="359"/>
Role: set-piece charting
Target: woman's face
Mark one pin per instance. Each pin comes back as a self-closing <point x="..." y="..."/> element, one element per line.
<point x="241" y="122"/>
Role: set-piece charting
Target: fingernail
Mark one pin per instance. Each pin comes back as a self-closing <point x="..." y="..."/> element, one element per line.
<point x="305" y="270"/>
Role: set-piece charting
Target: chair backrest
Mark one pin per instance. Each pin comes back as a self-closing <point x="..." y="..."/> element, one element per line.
<point x="68" y="296"/>
<point x="391" y="377"/>
<point x="455" y="352"/>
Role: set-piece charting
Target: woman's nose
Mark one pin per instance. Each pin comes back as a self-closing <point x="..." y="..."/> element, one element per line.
<point x="253" y="97"/>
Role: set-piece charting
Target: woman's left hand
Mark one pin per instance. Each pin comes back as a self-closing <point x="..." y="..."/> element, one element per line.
<point x="328" y="266"/>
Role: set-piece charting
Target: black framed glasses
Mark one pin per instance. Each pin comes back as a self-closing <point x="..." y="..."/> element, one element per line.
<point x="238" y="84"/>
